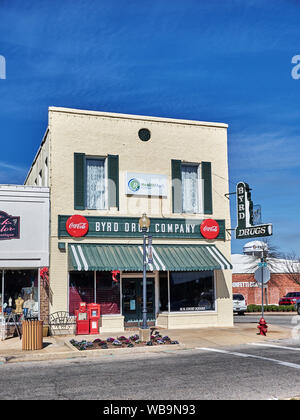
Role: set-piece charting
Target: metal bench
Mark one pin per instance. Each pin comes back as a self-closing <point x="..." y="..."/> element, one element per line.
<point x="61" y="323"/>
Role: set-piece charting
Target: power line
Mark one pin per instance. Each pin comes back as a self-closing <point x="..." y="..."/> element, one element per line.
<point x="225" y="179"/>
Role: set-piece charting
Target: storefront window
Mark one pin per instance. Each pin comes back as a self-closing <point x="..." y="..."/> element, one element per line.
<point x="81" y="289"/>
<point x="21" y="291"/>
<point x="85" y="288"/>
<point x="108" y="293"/>
<point x="192" y="291"/>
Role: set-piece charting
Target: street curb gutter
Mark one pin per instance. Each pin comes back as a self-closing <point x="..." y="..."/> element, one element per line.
<point x="271" y="313"/>
<point x="75" y="353"/>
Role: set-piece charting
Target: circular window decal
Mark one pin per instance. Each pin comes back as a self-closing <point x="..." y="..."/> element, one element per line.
<point x="77" y="226"/>
<point x="144" y="134"/>
<point x="210" y="229"/>
<point x="134" y="184"/>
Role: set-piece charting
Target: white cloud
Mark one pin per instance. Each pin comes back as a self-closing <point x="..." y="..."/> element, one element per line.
<point x="11" y="174"/>
<point x="265" y="151"/>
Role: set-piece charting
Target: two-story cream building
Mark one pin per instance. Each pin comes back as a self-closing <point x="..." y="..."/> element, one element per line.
<point x="104" y="171"/>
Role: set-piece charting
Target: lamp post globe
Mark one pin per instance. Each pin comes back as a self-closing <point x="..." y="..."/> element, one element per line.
<point x="144" y="223"/>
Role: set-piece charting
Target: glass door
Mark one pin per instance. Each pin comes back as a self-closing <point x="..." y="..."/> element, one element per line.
<point x="132" y="300"/>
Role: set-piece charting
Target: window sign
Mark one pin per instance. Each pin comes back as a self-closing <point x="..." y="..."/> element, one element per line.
<point x="146" y="184"/>
<point x="9" y="226"/>
<point x="132" y="304"/>
<point x="246" y="228"/>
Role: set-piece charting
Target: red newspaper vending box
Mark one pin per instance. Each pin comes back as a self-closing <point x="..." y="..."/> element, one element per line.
<point x="94" y="316"/>
<point x="82" y="319"/>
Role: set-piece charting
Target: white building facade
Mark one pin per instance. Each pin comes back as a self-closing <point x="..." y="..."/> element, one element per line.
<point x="24" y="246"/>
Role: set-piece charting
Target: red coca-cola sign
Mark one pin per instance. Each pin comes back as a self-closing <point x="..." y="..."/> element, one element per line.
<point x="77" y="225"/>
<point x="210" y="229"/>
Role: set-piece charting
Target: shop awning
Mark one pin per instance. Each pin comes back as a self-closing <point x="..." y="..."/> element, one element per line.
<point x="104" y="257"/>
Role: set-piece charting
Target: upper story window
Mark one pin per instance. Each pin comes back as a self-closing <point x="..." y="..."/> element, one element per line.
<point x="96" y="184"/>
<point x="191" y="188"/>
<point x="40" y="178"/>
<point x="46" y="172"/>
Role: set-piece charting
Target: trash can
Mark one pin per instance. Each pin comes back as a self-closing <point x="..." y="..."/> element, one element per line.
<point x="32" y="335"/>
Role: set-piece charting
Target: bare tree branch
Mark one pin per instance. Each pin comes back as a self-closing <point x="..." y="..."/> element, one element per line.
<point x="291" y="266"/>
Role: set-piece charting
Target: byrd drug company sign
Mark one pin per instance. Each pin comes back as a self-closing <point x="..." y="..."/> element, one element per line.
<point x="128" y="227"/>
<point x="245" y="228"/>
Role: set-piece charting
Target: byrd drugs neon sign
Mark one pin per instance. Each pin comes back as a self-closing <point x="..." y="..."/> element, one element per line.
<point x="245" y="228"/>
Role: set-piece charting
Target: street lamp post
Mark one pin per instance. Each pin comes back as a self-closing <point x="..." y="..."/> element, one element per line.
<point x="144" y="223"/>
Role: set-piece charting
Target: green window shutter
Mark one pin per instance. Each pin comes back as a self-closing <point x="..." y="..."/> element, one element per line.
<point x="207" y="183"/>
<point x="176" y="186"/>
<point x="113" y="180"/>
<point x="79" y="181"/>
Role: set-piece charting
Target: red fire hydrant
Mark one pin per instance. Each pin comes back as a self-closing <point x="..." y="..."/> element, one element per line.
<point x="262" y="326"/>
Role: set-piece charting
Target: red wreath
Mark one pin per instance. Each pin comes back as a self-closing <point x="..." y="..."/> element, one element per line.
<point x="114" y="274"/>
<point x="44" y="274"/>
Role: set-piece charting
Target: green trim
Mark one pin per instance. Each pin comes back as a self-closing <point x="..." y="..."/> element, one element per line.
<point x="207" y="183"/>
<point x="113" y="180"/>
<point x="79" y="181"/>
<point x="176" y="186"/>
<point x="62" y="246"/>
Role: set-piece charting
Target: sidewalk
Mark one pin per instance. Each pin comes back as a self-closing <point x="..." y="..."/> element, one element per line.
<point x="59" y="347"/>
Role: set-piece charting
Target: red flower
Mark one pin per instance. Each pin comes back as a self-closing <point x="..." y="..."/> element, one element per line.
<point x="114" y="274"/>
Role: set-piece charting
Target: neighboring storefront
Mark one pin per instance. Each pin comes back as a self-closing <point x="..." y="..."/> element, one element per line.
<point x="24" y="249"/>
<point x="284" y="279"/>
<point x="104" y="171"/>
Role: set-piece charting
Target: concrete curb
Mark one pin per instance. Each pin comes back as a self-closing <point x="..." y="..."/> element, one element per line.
<point x="270" y="313"/>
<point x="75" y="353"/>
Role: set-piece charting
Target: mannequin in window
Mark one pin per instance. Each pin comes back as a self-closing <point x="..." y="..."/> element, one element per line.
<point x="29" y="304"/>
<point x="19" y="305"/>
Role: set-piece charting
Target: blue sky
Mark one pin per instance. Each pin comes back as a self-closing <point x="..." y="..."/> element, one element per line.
<point x="219" y="60"/>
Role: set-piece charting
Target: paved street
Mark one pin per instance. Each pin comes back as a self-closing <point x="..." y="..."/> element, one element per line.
<point x="254" y="371"/>
<point x="287" y="321"/>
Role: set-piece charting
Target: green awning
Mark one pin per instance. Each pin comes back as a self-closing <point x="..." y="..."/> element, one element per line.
<point x="107" y="257"/>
